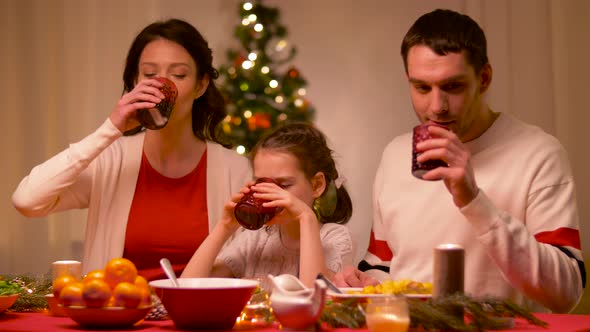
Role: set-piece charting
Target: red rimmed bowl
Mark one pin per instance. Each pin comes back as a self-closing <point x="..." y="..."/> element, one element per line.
<point x="107" y="317"/>
<point x="6" y="301"/>
<point x="204" y="303"/>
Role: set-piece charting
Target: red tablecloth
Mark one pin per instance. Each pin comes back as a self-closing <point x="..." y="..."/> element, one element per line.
<point x="43" y="322"/>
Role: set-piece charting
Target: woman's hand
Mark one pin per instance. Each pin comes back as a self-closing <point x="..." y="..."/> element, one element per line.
<point x="292" y="207"/>
<point x="146" y="94"/>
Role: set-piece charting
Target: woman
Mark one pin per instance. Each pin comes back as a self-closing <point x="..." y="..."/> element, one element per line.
<point x="307" y="236"/>
<point x="151" y="193"/>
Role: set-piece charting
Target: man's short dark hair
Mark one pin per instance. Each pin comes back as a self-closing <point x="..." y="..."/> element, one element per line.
<point x="445" y="31"/>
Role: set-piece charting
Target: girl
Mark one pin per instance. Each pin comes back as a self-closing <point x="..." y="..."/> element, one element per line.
<point x="307" y="237"/>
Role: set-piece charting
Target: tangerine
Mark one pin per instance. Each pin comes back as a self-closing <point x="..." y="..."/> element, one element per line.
<point x="93" y="275"/>
<point x="119" y="270"/>
<point x="60" y="282"/>
<point x="127" y="295"/>
<point x="71" y="294"/>
<point x="96" y="293"/>
<point x="144" y="288"/>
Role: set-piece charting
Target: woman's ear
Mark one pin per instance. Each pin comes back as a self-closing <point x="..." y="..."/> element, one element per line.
<point x="318" y="184"/>
<point x="202" y="86"/>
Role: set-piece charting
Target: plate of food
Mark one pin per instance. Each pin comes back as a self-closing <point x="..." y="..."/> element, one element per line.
<point x="6" y="301"/>
<point x="9" y="291"/>
<point x="408" y="288"/>
<point x="107" y="317"/>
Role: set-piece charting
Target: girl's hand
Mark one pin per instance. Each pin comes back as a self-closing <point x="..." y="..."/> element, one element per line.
<point x="146" y="94"/>
<point x="292" y="207"/>
<point x="228" y="219"/>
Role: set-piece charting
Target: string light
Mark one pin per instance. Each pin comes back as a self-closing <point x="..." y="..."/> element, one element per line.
<point x="240" y="149"/>
<point x="258" y="27"/>
<point x="247" y="6"/>
<point x="279" y="99"/>
<point x="298" y="102"/>
<point x="244" y="86"/>
<point x="301" y="92"/>
<point x="247" y="114"/>
<point x="245" y="22"/>
<point x="252" y="56"/>
<point x="265" y="70"/>
<point x="247" y="64"/>
<point x="282" y="117"/>
<point x="252" y="18"/>
<point x="273" y="83"/>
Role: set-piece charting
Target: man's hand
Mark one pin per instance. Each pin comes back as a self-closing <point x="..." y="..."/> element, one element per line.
<point x="351" y="277"/>
<point x="458" y="177"/>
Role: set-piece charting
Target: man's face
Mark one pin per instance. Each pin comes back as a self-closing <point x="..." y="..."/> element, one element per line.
<point x="446" y="90"/>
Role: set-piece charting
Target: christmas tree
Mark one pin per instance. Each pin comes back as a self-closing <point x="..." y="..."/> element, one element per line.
<point x="261" y="89"/>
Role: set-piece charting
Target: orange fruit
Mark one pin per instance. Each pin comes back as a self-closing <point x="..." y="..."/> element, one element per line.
<point x="119" y="270"/>
<point x="111" y="301"/>
<point x="96" y="293"/>
<point x="140" y="281"/>
<point x="93" y="275"/>
<point x="127" y="295"/>
<point x="71" y="294"/>
<point x="144" y="288"/>
<point x="60" y="282"/>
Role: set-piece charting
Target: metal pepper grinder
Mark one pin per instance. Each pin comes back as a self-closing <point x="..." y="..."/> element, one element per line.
<point x="448" y="272"/>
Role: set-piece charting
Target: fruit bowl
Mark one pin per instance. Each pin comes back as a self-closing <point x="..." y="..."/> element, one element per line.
<point x="107" y="317"/>
<point x="6" y="301"/>
<point x="204" y="303"/>
<point x="54" y="308"/>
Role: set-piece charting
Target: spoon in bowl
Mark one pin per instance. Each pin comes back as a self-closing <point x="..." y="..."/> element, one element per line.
<point x="167" y="267"/>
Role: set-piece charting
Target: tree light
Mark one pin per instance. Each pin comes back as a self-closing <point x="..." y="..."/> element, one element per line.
<point x="252" y="56"/>
<point x="273" y="84"/>
<point x="298" y="102"/>
<point x="301" y="92"/>
<point x="281" y="45"/>
<point x="247" y="114"/>
<point x="247" y="6"/>
<point x="258" y="27"/>
<point x="265" y="70"/>
<point x="252" y="18"/>
<point x="240" y="149"/>
<point x="247" y="64"/>
<point x="245" y="22"/>
<point x="279" y="99"/>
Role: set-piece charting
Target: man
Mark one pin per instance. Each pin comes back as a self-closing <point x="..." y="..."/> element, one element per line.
<point x="507" y="195"/>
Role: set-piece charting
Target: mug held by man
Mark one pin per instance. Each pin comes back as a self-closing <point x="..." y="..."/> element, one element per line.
<point x="420" y="134"/>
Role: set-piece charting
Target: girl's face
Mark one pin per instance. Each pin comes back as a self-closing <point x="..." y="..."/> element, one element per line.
<point x="284" y="169"/>
<point x="165" y="58"/>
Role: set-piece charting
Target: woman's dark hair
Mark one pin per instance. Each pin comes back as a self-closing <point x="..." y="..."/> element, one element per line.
<point x="445" y="31"/>
<point x="208" y="110"/>
<point x="308" y="145"/>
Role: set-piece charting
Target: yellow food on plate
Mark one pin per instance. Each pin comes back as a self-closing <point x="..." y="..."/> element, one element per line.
<point x="402" y="286"/>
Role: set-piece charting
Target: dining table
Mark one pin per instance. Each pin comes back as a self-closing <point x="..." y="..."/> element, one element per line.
<point x="43" y="321"/>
